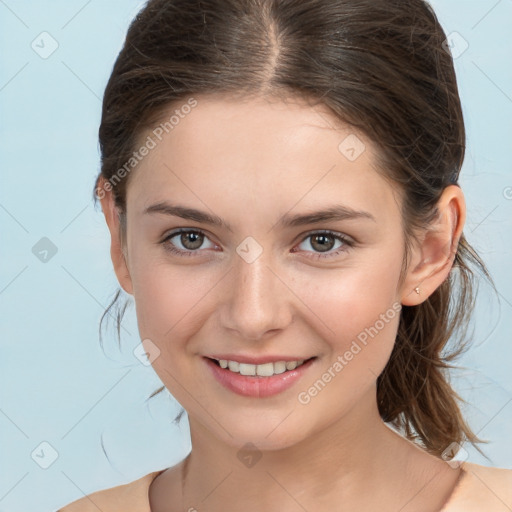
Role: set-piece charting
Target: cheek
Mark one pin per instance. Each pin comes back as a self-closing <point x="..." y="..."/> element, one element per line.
<point x="354" y="296"/>
<point x="362" y="322"/>
<point x="357" y="312"/>
<point x="168" y="304"/>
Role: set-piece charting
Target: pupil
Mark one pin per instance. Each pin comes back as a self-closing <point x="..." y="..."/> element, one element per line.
<point x="196" y="240"/>
<point x="323" y="246"/>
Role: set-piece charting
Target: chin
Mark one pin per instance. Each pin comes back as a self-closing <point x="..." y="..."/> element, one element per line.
<point x="266" y="432"/>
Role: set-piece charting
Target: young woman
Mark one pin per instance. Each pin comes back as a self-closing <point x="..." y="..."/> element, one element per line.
<point x="280" y="182"/>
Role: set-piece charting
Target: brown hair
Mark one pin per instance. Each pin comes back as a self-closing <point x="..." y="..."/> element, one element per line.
<point x="378" y="65"/>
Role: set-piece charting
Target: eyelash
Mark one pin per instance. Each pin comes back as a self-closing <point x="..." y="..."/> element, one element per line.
<point x="346" y="241"/>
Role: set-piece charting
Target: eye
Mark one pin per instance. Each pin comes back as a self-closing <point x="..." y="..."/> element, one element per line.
<point x="190" y="240"/>
<point x="324" y="240"/>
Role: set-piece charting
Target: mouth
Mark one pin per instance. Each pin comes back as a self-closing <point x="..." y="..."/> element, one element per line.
<point x="258" y="380"/>
<point x="267" y="369"/>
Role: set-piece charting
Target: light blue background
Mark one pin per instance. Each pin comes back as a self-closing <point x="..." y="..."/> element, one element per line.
<point x="57" y="385"/>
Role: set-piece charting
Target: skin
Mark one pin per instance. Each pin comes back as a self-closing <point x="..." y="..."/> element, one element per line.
<point x="251" y="162"/>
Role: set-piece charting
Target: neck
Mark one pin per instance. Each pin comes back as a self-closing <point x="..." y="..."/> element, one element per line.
<point x="337" y="463"/>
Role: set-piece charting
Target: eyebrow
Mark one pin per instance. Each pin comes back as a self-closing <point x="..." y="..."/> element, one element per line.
<point x="333" y="213"/>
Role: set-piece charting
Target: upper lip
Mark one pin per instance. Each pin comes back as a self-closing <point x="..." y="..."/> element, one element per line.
<point x="256" y="359"/>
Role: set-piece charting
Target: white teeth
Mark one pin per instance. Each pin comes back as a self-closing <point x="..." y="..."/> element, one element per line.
<point x="291" y="365"/>
<point x="234" y="366"/>
<point x="246" y="369"/>
<point x="279" y="367"/>
<point x="262" y="370"/>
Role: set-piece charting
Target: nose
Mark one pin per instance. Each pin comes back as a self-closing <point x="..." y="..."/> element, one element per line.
<point x="258" y="300"/>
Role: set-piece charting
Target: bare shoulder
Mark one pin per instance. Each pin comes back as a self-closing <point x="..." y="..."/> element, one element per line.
<point x="130" y="497"/>
<point x="483" y="488"/>
<point x="166" y="491"/>
<point x="498" y="480"/>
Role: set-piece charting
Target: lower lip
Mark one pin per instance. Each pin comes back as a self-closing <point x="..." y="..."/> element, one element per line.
<point x="255" y="386"/>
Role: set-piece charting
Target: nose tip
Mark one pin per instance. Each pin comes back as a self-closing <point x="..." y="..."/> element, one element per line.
<point x="257" y="306"/>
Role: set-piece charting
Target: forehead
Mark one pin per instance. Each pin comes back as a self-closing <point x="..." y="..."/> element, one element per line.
<point x="259" y="155"/>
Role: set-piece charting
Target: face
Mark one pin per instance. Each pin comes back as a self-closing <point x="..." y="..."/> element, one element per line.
<point x="271" y="281"/>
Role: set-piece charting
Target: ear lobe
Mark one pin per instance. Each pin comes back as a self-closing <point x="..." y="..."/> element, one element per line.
<point x="433" y="257"/>
<point x="117" y="251"/>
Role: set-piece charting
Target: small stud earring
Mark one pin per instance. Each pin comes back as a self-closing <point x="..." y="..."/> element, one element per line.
<point x="417" y="290"/>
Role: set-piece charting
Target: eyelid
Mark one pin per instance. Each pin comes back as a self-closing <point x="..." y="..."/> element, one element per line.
<point x="178" y="231"/>
<point x="335" y="234"/>
<point x="347" y="241"/>
<point x="347" y="244"/>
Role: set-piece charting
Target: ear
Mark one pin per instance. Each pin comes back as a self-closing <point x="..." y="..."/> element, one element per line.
<point x="432" y="258"/>
<point x="117" y="251"/>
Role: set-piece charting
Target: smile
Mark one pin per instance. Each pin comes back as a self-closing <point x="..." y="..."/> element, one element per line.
<point x="262" y="370"/>
<point x="258" y="380"/>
